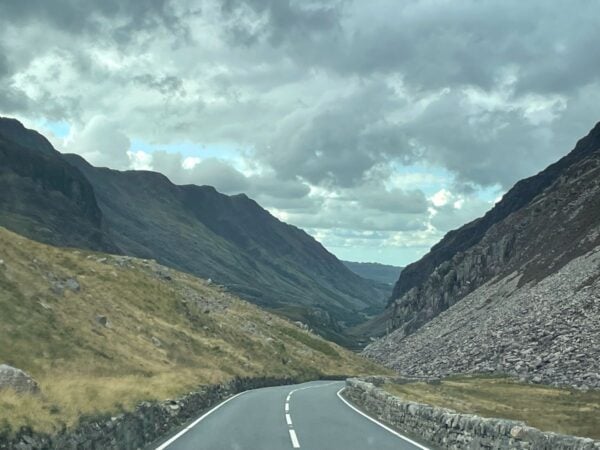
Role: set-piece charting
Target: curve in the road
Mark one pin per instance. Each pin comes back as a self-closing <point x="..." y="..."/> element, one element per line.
<point x="315" y="416"/>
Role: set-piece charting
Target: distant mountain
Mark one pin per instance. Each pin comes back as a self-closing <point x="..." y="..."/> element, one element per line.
<point x="515" y="291"/>
<point x="230" y="239"/>
<point x="381" y="273"/>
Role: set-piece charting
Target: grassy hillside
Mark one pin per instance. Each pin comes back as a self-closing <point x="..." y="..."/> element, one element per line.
<point x="100" y="333"/>
<point x="236" y="242"/>
<point x="62" y="200"/>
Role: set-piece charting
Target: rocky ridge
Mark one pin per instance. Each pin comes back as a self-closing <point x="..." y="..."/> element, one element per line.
<point x="524" y="300"/>
<point x="538" y="226"/>
<point x="541" y="332"/>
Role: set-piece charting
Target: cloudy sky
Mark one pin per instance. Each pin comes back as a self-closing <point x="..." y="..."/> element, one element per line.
<point x="375" y="125"/>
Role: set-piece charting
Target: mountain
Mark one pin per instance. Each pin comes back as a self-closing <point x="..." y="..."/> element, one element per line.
<point x="101" y="333"/>
<point x="196" y="229"/>
<point x="381" y="273"/>
<point x="44" y="197"/>
<point x="516" y="291"/>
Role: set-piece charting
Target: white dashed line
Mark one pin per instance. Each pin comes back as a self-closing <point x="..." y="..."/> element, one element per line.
<point x="288" y="417"/>
<point x="294" y="439"/>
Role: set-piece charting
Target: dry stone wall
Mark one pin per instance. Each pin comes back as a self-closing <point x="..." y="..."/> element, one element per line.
<point x="137" y="429"/>
<point x="446" y="429"/>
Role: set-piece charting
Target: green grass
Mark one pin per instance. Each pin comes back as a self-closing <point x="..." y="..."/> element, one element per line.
<point x="311" y="341"/>
<point x="86" y="369"/>
<point x="547" y="408"/>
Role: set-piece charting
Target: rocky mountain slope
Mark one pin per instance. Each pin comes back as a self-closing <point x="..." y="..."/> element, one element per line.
<point x="100" y="333"/>
<point x="63" y="200"/>
<point x="515" y="291"/>
<point x="382" y="273"/>
<point x="43" y="196"/>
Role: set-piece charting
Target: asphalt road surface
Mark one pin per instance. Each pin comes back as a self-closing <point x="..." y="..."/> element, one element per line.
<point x="310" y="416"/>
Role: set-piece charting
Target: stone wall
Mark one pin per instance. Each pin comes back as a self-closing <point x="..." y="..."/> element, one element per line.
<point x="137" y="429"/>
<point x="447" y="429"/>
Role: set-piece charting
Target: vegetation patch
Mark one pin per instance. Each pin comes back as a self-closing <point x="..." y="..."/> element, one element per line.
<point x="547" y="408"/>
<point x="101" y="333"/>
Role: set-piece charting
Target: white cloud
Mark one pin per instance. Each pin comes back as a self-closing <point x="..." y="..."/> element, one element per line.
<point x="101" y="142"/>
<point x="441" y="198"/>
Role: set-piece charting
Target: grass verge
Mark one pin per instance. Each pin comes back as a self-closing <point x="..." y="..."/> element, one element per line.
<point x="548" y="408"/>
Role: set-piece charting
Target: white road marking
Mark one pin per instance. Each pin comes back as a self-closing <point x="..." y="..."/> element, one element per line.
<point x="196" y="422"/>
<point x="288" y="417"/>
<point x="339" y="394"/>
<point x="294" y="439"/>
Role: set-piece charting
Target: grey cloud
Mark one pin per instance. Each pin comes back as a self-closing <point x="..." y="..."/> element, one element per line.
<point x="167" y="84"/>
<point x="227" y="179"/>
<point x="284" y="19"/>
<point x="340" y="141"/>
<point x="438" y="44"/>
<point x="394" y="201"/>
<point x="475" y="143"/>
<point x="13" y="100"/>
<point x="275" y="187"/>
<point x="448" y="217"/>
<point x="210" y="171"/>
<point x="101" y="142"/>
<point x="219" y="174"/>
<point x="90" y="17"/>
<point x="336" y="95"/>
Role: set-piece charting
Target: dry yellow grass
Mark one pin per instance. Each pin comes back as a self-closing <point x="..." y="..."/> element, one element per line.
<point x="165" y="336"/>
<point x="547" y="408"/>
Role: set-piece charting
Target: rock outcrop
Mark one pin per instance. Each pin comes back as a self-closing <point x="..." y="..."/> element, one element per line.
<point x="44" y="197"/>
<point x="524" y="299"/>
<point x="539" y="225"/>
<point x="17" y="380"/>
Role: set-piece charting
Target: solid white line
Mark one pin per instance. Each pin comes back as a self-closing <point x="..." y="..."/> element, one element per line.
<point x="339" y="394"/>
<point x="287" y="399"/>
<point x="196" y="422"/>
<point x="294" y="439"/>
<point x="310" y="387"/>
<point x="288" y="419"/>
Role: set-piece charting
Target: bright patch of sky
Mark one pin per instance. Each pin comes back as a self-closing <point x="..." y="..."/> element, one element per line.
<point x="188" y="149"/>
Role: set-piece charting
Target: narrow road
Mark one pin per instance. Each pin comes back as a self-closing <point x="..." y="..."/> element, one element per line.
<point x="309" y="416"/>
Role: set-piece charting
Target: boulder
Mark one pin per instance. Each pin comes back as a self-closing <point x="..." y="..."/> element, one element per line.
<point x="16" y="379"/>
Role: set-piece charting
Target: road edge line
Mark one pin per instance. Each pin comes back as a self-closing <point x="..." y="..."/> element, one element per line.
<point x="196" y="422"/>
<point x="339" y="394"/>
